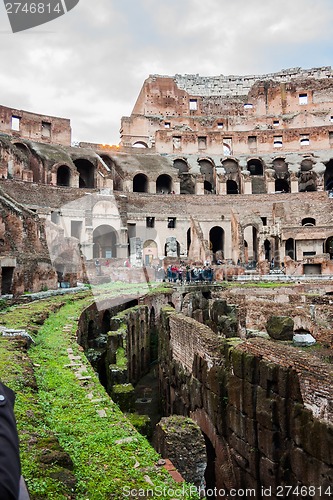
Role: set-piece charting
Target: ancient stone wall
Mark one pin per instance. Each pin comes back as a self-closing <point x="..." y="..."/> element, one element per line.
<point x="263" y="405"/>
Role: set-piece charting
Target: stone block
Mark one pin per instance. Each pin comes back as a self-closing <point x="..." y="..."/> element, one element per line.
<point x="269" y="473"/>
<point x="269" y="443"/>
<point x="266" y="410"/>
<point x="242" y="425"/>
<point x="280" y="327"/>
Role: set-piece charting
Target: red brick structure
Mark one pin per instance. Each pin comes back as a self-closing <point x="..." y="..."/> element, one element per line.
<point x="235" y="170"/>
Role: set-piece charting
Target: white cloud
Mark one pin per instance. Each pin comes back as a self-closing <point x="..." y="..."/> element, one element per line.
<point x="90" y="64"/>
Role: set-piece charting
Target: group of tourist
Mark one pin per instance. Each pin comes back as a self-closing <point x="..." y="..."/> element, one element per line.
<point x="189" y="274"/>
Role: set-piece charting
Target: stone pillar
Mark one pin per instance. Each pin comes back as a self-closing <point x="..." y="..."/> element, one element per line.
<point x="122" y="247"/>
<point x="152" y="187"/>
<point x="293" y="183"/>
<point x="136" y="248"/>
<point x="176" y="187"/>
<point x="199" y="184"/>
<point x="221" y="184"/>
<point x="180" y="440"/>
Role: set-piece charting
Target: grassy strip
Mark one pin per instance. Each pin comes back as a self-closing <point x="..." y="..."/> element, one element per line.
<point x="107" y="453"/>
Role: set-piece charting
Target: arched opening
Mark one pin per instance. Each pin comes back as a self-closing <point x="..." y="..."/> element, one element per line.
<point x="290" y="248"/>
<point x="86" y="173"/>
<point x="308" y="221"/>
<point x="329" y="246"/>
<point x="232" y="187"/>
<point x="251" y="238"/>
<point x="149" y="252"/>
<point x="267" y="247"/>
<point x="328" y="176"/>
<point x="282" y="185"/>
<point x="255" y="167"/>
<point x="163" y="184"/>
<point x="140" y="183"/>
<point x="188" y="240"/>
<point x="105" y="242"/>
<point x="216" y="239"/>
<point x="63" y="176"/>
<point x="181" y="165"/>
<point x="140" y="144"/>
<point x="208" y="171"/>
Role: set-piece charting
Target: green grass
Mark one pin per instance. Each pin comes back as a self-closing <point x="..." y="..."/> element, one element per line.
<point x="55" y="415"/>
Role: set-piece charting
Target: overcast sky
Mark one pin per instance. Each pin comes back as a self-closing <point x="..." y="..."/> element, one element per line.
<point x="89" y="65"/>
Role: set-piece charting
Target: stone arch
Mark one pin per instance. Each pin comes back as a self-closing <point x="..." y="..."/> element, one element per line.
<point x="230" y="165"/>
<point x="328" y="176"/>
<point x="255" y="166"/>
<point x="216" y="242"/>
<point x="140" y="183"/>
<point x="207" y="169"/>
<point x="63" y="176"/>
<point x="164" y="184"/>
<point x="232" y="187"/>
<point x="86" y="171"/>
<point x="105" y="240"/>
<point x="140" y="144"/>
<point x="149" y="252"/>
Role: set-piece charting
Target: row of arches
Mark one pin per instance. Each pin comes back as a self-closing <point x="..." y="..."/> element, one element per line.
<point x="164" y="184"/>
<point x="85" y="169"/>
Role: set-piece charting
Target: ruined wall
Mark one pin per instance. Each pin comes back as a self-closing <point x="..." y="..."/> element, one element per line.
<point x="48" y="129"/>
<point x="233" y="114"/>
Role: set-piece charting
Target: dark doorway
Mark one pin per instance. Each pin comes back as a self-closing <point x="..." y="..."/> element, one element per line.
<point x="290" y="248"/>
<point x="7" y="280"/>
<point x="267" y="246"/>
<point x="282" y="185"/>
<point x="210" y="477"/>
<point x="188" y="240"/>
<point x="216" y="238"/>
<point x="140" y="184"/>
<point x="164" y="184"/>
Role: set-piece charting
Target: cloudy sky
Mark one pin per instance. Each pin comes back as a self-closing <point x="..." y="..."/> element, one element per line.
<point x="89" y="65"/>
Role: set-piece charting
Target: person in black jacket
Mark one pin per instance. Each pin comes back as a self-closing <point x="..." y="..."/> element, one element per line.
<point x="10" y="467"/>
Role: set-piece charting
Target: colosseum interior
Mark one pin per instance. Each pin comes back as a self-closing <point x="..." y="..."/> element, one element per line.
<point x="229" y="173"/>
